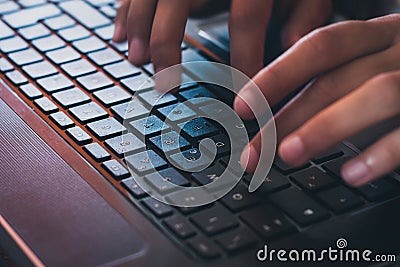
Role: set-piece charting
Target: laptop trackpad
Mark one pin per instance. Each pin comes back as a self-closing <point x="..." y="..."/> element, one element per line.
<point x="58" y="215"/>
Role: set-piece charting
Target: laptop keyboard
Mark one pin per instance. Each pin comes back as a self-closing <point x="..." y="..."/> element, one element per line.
<point x="60" y="58"/>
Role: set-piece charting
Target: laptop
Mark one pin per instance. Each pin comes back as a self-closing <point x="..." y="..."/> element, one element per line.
<point x="69" y="195"/>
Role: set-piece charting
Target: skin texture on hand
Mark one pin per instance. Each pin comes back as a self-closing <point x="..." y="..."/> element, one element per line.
<point x="354" y="71"/>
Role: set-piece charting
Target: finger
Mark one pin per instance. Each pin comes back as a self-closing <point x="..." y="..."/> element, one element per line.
<point x="248" y="24"/>
<point x="376" y="100"/>
<point x="378" y="160"/>
<point x="121" y="22"/>
<point x="307" y="15"/>
<point x="317" y="53"/>
<point x="140" y="20"/>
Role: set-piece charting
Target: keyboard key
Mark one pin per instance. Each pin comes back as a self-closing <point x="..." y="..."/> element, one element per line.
<point x="267" y="221"/>
<point x="116" y="169"/>
<point x="163" y="184"/>
<point x="104" y="57"/>
<point x="78" y="68"/>
<point x="155" y="98"/>
<point x="376" y="190"/>
<point x="198" y="128"/>
<point x="85" y="14"/>
<point x="39" y="70"/>
<point x="48" y="43"/>
<point x="169" y="142"/>
<point x="60" y="22"/>
<point x="191" y="160"/>
<point x="273" y="182"/>
<point x="335" y="166"/>
<point x="128" y="111"/>
<point x="340" y="199"/>
<point x="328" y="155"/>
<point x="212" y="174"/>
<point x="62" y="120"/>
<point x="108" y="11"/>
<point x="46" y="105"/>
<point x="121" y="47"/>
<point x="105" y="33"/>
<point x="16" y="77"/>
<point x="149" y="126"/>
<point x="287" y="169"/>
<point x="187" y="198"/>
<point x="5" y="65"/>
<point x="214" y="220"/>
<point x="236" y="240"/>
<point x="24" y="57"/>
<point x="125" y="144"/>
<point x="145" y="161"/>
<point x="157" y="208"/>
<point x="79" y="135"/>
<point x="215" y="110"/>
<point x="222" y="144"/>
<point x="34" y="32"/>
<point x="138" y="83"/>
<point x="174" y="113"/>
<point x="31" y="91"/>
<point x="5" y="31"/>
<point x="113" y="95"/>
<point x="88" y="45"/>
<point x="204" y="248"/>
<point x="71" y="97"/>
<point x="300" y="207"/>
<point x="31" y="3"/>
<point x="239" y="198"/>
<point x="197" y="92"/>
<point x="97" y="152"/>
<point x="123" y="69"/>
<point x="95" y="81"/>
<point x="313" y="179"/>
<point x="133" y="188"/>
<point x="88" y="112"/>
<point x="106" y="128"/>
<point x="55" y="83"/>
<point x="8" y="7"/>
<point x="12" y="44"/>
<point x="234" y="166"/>
<point x="74" y="33"/>
<point x="63" y="55"/>
<point x="31" y="16"/>
<point x="180" y="227"/>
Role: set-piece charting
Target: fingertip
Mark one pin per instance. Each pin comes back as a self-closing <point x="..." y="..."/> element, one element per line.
<point x="138" y="52"/>
<point x="249" y="158"/>
<point x="242" y="109"/>
<point x="292" y="150"/>
<point x="356" y="173"/>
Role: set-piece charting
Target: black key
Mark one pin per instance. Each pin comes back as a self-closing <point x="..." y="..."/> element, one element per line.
<point x="78" y="68"/>
<point x="191" y="160"/>
<point x="300" y="207"/>
<point x="163" y="184"/>
<point x="267" y="221"/>
<point x="222" y="144"/>
<point x="71" y="97"/>
<point x="376" y="190"/>
<point x="60" y="22"/>
<point x="138" y="83"/>
<point x="169" y="142"/>
<point x="106" y="128"/>
<point x="149" y="126"/>
<point x="95" y="81"/>
<point x="191" y="210"/>
<point x="214" y="220"/>
<point x="39" y="70"/>
<point x="239" y="198"/>
<point x="85" y="14"/>
<point x="116" y="169"/>
<point x="34" y="32"/>
<point x="31" y="91"/>
<point x="16" y="77"/>
<point x="216" y="111"/>
<point x="113" y="95"/>
<point x="97" y="152"/>
<point x="212" y="174"/>
<point x="157" y="208"/>
<point x="180" y="227"/>
<point x="156" y="99"/>
<point x="106" y="33"/>
<point x="234" y="166"/>
<point x="88" y="45"/>
<point x="62" y="120"/>
<point x="55" y="83"/>
<point x="74" y="33"/>
<point x="198" y="128"/>
<point x="313" y="179"/>
<point x="238" y="239"/>
<point x="204" y="248"/>
<point x="24" y="57"/>
<point x="335" y="166"/>
<point x="5" y="65"/>
<point x="328" y="155"/>
<point x="12" y="45"/>
<point x="5" y="31"/>
<point x="187" y="198"/>
<point x="63" y="55"/>
<point x="46" y="105"/>
<point x="79" y="135"/>
<point x="30" y="16"/>
<point x="88" y="112"/>
<point x="48" y="43"/>
<point x="175" y="114"/>
<point x="128" y="111"/>
<point x="287" y="169"/>
<point x="273" y="182"/>
<point x="127" y="143"/>
<point x="105" y="57"/>
<point x="197" y="92"/>
<point x="145" y="161"/>
<point x="133" y="188"/>
<point x="340" y="199"/>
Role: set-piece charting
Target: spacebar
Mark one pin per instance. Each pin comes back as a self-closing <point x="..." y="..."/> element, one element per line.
<point x="85" y="14"/>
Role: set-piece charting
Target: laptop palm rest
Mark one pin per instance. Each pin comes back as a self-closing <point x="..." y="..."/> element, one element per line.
<point x="53" y="210"/>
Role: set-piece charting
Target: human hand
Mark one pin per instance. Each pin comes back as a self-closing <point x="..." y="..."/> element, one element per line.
<point x="355" y="75"/>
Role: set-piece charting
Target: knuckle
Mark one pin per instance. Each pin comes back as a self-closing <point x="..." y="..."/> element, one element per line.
<point x="321" y="41"/>
<point x="388" y="85"/>
<point x="326" y="87"/>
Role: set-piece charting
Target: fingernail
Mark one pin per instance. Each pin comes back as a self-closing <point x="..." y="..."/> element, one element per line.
<point x="242" y="102"/>
<point x="292" y="149"/>
<point x="355" y="172"/>
<point x="249" y="158"/>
